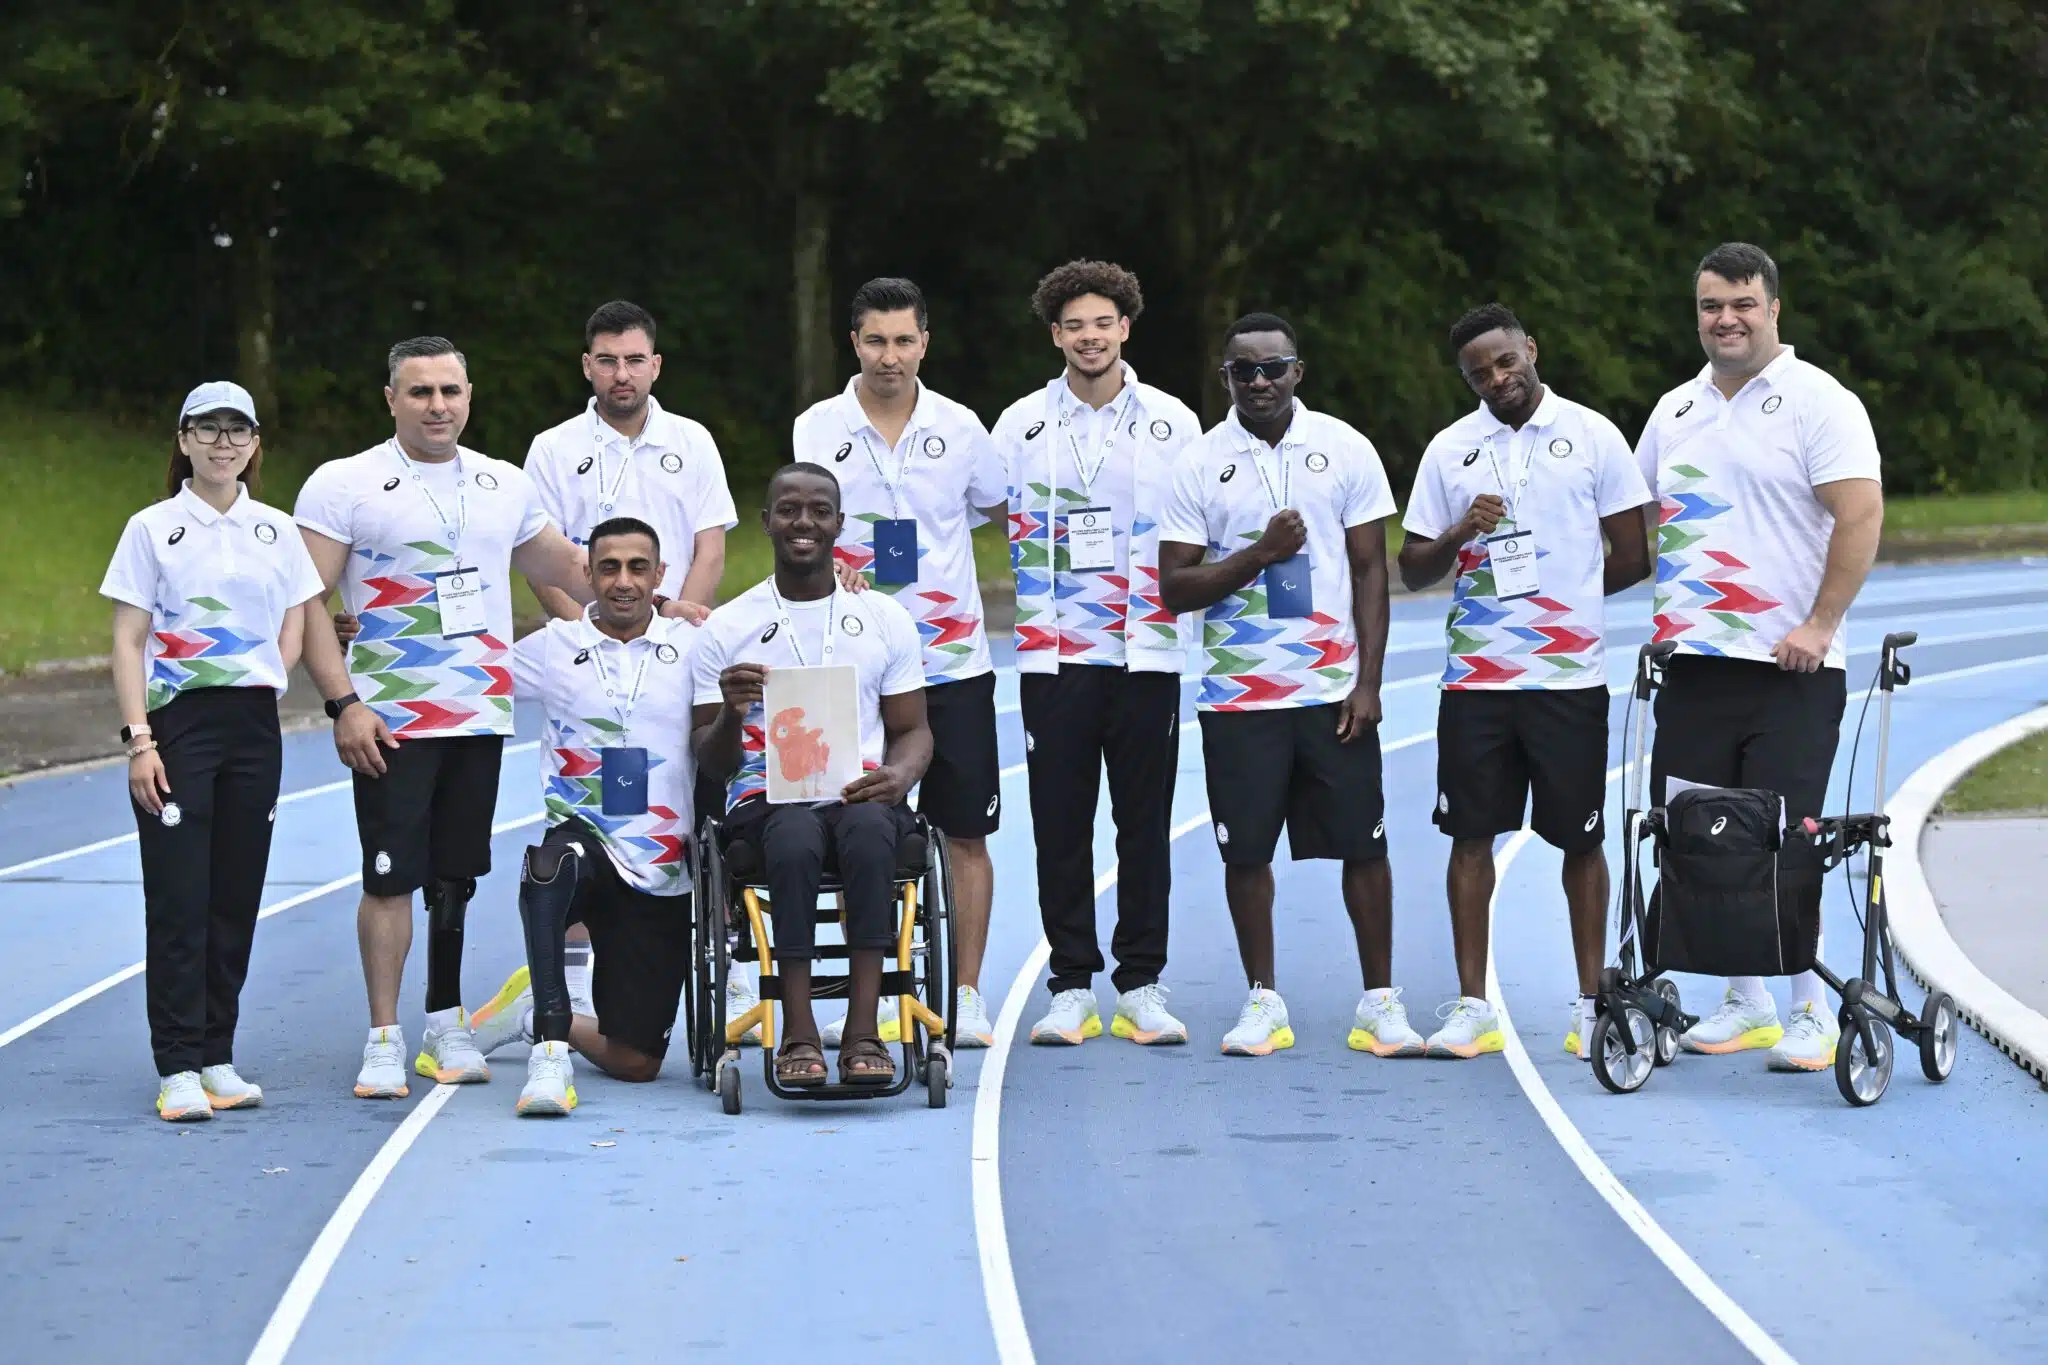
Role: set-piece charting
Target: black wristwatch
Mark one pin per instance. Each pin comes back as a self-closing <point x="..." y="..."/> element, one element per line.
<point x="341" y="704"/>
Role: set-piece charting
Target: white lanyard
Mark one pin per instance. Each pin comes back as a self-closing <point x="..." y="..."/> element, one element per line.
<point x="461" y="497"/>
<point x="1509" y="497"/>
<point x="902" y="470"/>
<point x="789" y="627"/>
<point x="624" y="710"/>
<point x="1116" y="422"/>
<point x="1280" y="503"/>
<point x="608" y="498"/>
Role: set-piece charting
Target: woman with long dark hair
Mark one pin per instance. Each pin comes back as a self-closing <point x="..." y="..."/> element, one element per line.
<point x="206" y="587"/>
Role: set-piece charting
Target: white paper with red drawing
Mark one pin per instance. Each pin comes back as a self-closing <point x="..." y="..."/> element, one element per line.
<point x="811" y="717"/>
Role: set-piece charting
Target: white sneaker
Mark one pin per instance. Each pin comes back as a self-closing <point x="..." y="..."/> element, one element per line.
<point x="971" y="1027"/>
<point x="181" y="1099"/>
<point x="550" y="1082"/>
<point x="891" y="1027"/>
<point x="1261" y="1026"/>
<point x="226" y="1090"/>
<point x="449" y="1055"/>
<point x="1470" y="1028"/>
<point x="1740" y="1024"/>
<point x="383" y="1073"/>
<point x="1809" y="1041"/>
<point x="1141" y="1016"/>
<point x="1578" y="1034"/>
<point x="1073" y="1019"/>
<point x="740" y="996"/>
<point x="506" y="1017"/>
<point x="1380" y="1026"/>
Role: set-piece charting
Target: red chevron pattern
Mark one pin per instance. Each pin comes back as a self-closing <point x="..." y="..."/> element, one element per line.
<point x="397" y="592"/>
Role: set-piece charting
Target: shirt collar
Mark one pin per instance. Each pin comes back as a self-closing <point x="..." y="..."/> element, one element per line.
<point x="592" y="636"/>
<point x="202" y="512"/>
<point x="1247" y="441"/>
<point x="1772" y="374"/>
<point x="856" y="418"/>
<point x="1070" y="402"/>
<point x="650" y="432"/>
<point x="1546" y="412"/>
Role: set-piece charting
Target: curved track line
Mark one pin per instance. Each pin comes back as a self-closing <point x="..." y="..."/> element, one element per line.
<point x="284" y="800"/>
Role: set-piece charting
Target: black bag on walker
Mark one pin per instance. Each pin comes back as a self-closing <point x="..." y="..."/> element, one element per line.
<point x="1734" y="898"/>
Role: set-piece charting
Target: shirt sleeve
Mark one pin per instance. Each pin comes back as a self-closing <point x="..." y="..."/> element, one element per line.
<point x="988" y="483"/>
<point x="707" y="661"/>
<point x="326" y="506"/>
<point x="1185" y="520"/>
<point x="533" y="518"/>
<point x="1618" y="482"/>
<point x="1370" y="497"/>
<point x="711" y="495"/>
<point x="1838" y="442"/>
<point x="132" y="574"/>
<point x="1648" y="450"/>
<point x="529" y="672"/>
<point x="545" y="473"/>
<point x="904" y="671"/>
<point x="302" y="576"/>
<point x="1429" y="512"/>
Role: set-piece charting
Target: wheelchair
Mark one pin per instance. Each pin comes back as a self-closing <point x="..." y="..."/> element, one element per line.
<point x="730" y="919"/>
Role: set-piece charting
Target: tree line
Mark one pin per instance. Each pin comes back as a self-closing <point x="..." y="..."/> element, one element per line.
<point x="277" y="189"/>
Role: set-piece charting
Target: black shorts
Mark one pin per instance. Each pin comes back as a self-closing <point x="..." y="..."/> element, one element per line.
<point x="641" y="943"/>
<point x="1496" y="747"/>
<point x="962" y="792"/>
<point x="1746" y="723"/>
<point x="1287" y="765"/>
<point x="428" y="818"/>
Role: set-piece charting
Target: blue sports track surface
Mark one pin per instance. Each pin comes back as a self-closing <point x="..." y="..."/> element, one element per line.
<point x="1102" y="1202"/>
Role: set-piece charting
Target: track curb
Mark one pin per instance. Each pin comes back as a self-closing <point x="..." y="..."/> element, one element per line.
<point x="1931" y="954"/>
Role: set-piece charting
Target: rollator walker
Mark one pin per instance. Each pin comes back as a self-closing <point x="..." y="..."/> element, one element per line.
<point x="1640" y="1016"/>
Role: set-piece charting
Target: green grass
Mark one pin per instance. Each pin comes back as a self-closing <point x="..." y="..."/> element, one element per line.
<point x="2014" y="778"/>
<point x="1966" y="510"/>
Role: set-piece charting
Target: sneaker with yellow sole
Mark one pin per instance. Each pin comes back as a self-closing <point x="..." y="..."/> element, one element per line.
<point x="550" y="1082"/>
<point x="1584" y="1014"/>
<point x="506" y="1017"/>
<point x="181" y="1099"/>
<point x="1470" y="1028"/>
<point x="1380" y="1026"/>
<point x="1739" y="1025"/>
<point x="891" y="1026"/>
<point x="1073" y="1019"/>
<point x="1809" y="1041"/>
<point x="1142" y="1017"/>
<point x="1261" y="1026"/>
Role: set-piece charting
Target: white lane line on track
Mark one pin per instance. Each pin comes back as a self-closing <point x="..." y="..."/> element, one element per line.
<point x="108" y="982"/>
<point x="284" y="1324"/>
<point x="304" y="793"/>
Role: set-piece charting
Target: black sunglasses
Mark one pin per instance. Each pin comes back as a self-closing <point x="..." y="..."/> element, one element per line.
<point x="1245" y="371"/>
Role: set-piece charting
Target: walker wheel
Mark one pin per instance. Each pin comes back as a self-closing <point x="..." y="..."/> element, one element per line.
<point x="1667" y="1037"/>
<point x="935" y="1080"/>
<point x="1620" y="1070"/>
<point x="1862" y="1075"/>
<point x="729" y="1087"/>
<point x="1938" y="1037"/>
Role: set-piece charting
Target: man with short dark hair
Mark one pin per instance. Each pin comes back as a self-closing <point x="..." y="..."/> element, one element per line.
<point x="616" y="777"/>
<point x="918" y="472"/>
<point x="1768" y="476"/>
<point x="1519" y="495"/>
<point x="1091" y="458"/>
<point x="802" y="617"/>
<point x="422" y="536"/>
<point x="1277" y="530"/>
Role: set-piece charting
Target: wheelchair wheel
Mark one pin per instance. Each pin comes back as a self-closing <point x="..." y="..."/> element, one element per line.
<point x="936" y="1076"/>
<point x="1938" y="1038"/>
<point x="706" y="911"/>
<point x="729" y="1086"/>
<point x="1620" y="1070"/>
<point x="941" y="970"/>
<point x="1667" y="1037"/>
<point x="1862" y="1075"/>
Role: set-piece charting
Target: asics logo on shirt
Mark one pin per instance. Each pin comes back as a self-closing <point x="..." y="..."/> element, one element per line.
<point x="769" y="633"/>
<point x="390" y="484"/>
<point x="1229" y="473"/>
<point x="588" y="461"/>
<point x="1682" y="411"/>
<point x="176" y="536"/>
<point x="582" y="657"/>
<point x="842" y="452"/>
<point x="1032" y="434"/>
<point x="1470" y="456"/>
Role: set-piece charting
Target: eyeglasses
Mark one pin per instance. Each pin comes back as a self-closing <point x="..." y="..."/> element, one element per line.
<point x="611" y="364"/>
<point x="1245" y="371"/>
<point x="239" y="434"/>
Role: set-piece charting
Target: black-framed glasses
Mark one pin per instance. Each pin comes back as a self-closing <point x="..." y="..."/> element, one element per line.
<point x="1245" y="371"/>
<point x="239" y="434"/>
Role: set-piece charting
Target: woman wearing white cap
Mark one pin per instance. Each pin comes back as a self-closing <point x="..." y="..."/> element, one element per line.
<point x="206" y="586"/>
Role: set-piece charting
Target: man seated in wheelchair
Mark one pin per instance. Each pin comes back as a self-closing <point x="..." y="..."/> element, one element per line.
<point x="801" y="618"/>
<point x="616" y="778"/>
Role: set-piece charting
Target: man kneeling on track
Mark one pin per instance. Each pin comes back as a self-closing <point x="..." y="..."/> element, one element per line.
<point x="616" y="782"/>
<point x="800" y="617"/>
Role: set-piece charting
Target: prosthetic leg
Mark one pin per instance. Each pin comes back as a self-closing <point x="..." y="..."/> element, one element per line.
<point x="548" y="878"/>
<point x="447" y="907"/>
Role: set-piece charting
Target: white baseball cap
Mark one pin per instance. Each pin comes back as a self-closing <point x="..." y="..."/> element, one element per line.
<point x="217" y="395"/>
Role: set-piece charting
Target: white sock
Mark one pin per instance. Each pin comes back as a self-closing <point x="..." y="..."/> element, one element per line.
<point x="1373" y="997"/>
<point x="437" y="1020"/>
<point x="1752" y="989"/>
<point x="577" y="968"/>
<point x="397" y="1034"/>
<point x="1806" y="990"/>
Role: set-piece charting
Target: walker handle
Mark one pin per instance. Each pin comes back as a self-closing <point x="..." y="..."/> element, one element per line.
<point x="1899" y="639"/>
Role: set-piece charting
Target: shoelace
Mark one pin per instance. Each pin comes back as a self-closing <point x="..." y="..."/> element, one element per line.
<point x="1388" y="1006"/>
<point x="1255" y="1011"/>
<point x="1149" y="997"/>
<point x="387" y="1051"/>
<point x="1453" y="1009"/>
<point x="1805" y="1024"/>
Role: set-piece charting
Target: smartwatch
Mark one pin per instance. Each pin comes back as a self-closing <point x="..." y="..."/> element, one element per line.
<point x="341" y="704"/>
<point x="129" y="732"/>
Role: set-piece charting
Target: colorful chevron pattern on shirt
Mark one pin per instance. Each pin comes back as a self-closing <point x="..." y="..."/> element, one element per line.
<point x="648" y="848"/>
<point x="945" y="624"/>
<point x="197" y="647"/>
<point x="1088" y="613"/>
<point x="1704" y="597"/>
<point x="1257" y="661"/>
<point x="1530" y="642"/>
<point x="418" y="682"/>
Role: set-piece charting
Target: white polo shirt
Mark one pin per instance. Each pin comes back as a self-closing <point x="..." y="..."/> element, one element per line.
<point x="600" y="693"/>
<point x="871" y="631"/>
<point x="669" y="476"/>
<point x="216" y="586"/>
<point x="405" y="522"/>
<point x="1062" y="454"/>
<point x="1564" y="470"/>
<point x="1744" y="541"/>
<point x="939" y="474"/>
<point x="1225" y="490"/>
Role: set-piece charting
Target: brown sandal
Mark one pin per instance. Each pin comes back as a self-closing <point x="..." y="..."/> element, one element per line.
<point x="799" y="1062"/>
<point x="865" y="1061"/>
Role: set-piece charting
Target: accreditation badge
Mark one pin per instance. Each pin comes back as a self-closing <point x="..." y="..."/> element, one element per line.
<point x="1091" y="540"/>
<point x="459" y="594"/>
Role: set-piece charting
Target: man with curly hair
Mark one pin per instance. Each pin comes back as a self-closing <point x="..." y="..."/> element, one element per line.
<point x="1091" y="458"/>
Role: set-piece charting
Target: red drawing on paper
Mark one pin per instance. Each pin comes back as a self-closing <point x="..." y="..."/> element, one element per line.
<point x="803" y="753"/>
